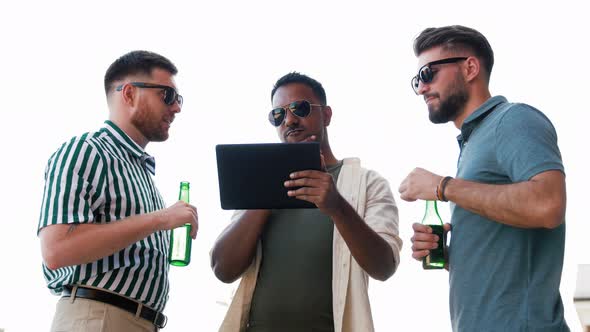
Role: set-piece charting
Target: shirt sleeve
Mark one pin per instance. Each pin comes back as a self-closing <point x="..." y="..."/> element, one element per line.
<point x="526" y="143"/>
<point x="381" y="213"/>
<point x="73" y="181"/>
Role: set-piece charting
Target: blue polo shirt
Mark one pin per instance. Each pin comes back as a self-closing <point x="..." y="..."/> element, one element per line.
<point x="504" y="278"/>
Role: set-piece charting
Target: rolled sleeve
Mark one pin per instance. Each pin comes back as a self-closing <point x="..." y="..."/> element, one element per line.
<point x="381" y="213"/>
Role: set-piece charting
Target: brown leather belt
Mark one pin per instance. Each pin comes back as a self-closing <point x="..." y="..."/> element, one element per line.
<point x="156" y="317"/>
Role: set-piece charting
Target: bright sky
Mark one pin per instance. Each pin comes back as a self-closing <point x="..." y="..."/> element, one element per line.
<point x="229" y="54"/>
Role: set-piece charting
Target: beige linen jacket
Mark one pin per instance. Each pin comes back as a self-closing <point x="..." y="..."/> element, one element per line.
<point x="370" y="195"/>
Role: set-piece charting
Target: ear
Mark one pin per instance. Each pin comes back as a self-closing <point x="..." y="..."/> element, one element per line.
<point x="128" y="94"/>
<point x="327" y="112"/>
<point x="472" y="68"/>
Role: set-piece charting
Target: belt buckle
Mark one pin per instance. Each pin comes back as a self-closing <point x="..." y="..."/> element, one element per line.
<point x="158" y="314"/>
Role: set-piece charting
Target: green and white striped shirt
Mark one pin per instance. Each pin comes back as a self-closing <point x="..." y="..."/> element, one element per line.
<point x="102" y="177"/>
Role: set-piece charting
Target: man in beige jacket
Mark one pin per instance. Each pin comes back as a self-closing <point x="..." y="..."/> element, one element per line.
<point x="308" y="269"/>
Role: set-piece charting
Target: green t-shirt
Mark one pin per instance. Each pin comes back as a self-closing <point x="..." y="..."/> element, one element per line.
<point x="294" y="287"/>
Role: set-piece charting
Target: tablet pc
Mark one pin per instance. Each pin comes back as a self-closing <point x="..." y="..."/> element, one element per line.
<point x="252" y="176"/>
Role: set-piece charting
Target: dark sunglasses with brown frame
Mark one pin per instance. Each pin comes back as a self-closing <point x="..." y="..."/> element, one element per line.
<point x="426" y="74"/>
<point x="170" y="94"/>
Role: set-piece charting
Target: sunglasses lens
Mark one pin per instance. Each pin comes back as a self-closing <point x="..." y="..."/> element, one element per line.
<point x="300" y="108"/>
<point x="415" y="83"/>
<point x="425" y="75"/>
<point x="169" y="96"/>
<point x="276" y="116"/>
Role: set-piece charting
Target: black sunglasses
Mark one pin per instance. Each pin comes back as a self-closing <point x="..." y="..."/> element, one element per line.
<point x="426" y="74"/>
<point x="170" y="94"/>
<point x="300" y="108"/>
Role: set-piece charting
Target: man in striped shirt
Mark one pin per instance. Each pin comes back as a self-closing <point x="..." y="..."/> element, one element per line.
<point x="103" y="224"/>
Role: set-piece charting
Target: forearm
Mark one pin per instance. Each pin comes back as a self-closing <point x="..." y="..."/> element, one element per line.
<point x="235" y="248"/>
<point x="369" y="249"/>
<point x="74" y="244"/>
<point x="539" y="202"/>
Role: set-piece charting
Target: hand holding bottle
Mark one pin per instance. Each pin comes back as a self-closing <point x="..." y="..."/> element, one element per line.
<point x="179" y="214"/>
<point x="424" y="240"/>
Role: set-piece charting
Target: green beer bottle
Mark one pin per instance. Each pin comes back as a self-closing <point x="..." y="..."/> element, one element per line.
<point x="436" y="257"/>
<point x="180" y="238"/>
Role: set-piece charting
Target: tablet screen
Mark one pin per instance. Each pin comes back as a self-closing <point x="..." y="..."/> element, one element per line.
<point x="251" y="176"/>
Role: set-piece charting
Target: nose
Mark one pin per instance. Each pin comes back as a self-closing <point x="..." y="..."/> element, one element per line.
<point x="422" y="87"/>
<point x="291" y="119"/>
<point x="175" y="107"/>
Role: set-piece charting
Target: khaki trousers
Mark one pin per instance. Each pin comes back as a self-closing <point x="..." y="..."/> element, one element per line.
<point x="83" y="315"/>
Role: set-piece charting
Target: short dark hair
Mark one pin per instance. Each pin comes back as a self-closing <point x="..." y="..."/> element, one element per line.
<point x="295" y="77"/>
<point x="136" y="62"/>
<point x="456" y="37"/>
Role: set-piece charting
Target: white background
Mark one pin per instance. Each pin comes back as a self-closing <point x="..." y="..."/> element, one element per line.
<point x="229" y="53"/>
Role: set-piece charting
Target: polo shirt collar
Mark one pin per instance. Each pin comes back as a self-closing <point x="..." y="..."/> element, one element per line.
<point x="478" y="115"/>
<point x="122" y="139"/>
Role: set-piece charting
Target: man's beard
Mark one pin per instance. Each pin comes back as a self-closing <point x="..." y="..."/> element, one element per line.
<point x="149" y="127"/>
<point x="450" y="107"/>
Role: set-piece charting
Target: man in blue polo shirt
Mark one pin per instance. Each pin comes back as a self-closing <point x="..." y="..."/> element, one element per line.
<point x="508" y="196"/>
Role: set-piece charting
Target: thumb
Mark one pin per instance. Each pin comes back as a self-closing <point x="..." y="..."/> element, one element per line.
<point x="447" y="227"/>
